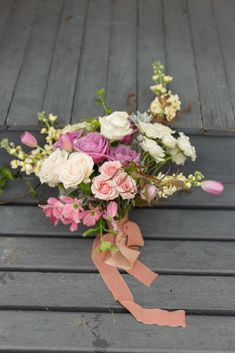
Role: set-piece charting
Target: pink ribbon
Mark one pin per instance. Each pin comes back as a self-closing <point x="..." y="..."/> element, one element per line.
<point x="127" y="240"/>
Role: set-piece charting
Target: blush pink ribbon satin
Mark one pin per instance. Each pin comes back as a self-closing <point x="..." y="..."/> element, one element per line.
<point x="127" y="240"/>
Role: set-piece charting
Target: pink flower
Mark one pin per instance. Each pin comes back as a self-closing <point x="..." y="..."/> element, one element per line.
<point x="103" y="189"/>
<point x="66" y="140"/>
<point x="28" y="139"/>
<point x="94" y="144"/>
<point x="128" y="138"/>
<point x="90" y="217"/>
<point x="109" y="169"/>
<point x="111" y="211"/>
<point x="72" y="212"/>
<point x="149" y="193"/>
<point x="53" y="209"/>
<point x="125" y="185"/>
<point x="212" y="186"/>
<point x="123" y="154"/>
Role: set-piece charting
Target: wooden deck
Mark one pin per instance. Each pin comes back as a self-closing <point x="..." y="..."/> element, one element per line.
<point x="53" y="56"/>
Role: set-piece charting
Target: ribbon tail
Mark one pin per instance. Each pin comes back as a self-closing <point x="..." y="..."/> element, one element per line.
<point x="121" y="293"/>
<point x="142" y="273"/>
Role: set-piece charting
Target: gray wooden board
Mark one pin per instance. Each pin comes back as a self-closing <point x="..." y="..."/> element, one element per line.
<point x="59" y="94"/>
<point x="150" y="47"/>
<point x="154" y="223"/>
<point x="93" y="67"/>
<point x="32" y="80"/>
<point x="122" y="61"/>
<point x="180" y="61"/>
<point x="74" y="255"/>
<point x="5" y="7"/>
<point x="216" y="106"/>
<point x="12" y="48"/>
<point x="79" y="291"/>
<point x="224" y="12"/>
<point x="99" y="332"/>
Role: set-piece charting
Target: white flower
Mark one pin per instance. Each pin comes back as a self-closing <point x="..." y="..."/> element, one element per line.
<point x="169" y="141"/>
<point x="155" y="130"/>
<point x="177" y="156"/>
<point x="153" y="149"/>
<point x="115" y="126"/>
<point x="76" y="169"/>
<point x="166" y="105"/>
<point x="75" y="127"/>
<point x="185" y="146"/>
<point x="51" y="166"/>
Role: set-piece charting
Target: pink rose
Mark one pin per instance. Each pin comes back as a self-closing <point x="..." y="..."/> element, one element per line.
<point x="66" y="140"/>
<point x="109" y="169"/>
<point x="94" y="144"/>
<point x="123" y="154"/>
<point x="149" y="193"/>
<point x="28" y="139"/>
<point x="103" y="189"/>
<point x="125" y="185"/>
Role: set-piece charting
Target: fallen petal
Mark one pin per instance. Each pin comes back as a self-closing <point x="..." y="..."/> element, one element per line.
<point x="212" y="186"/>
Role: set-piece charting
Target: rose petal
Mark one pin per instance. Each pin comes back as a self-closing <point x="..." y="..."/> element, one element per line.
<point x="212" y="186"/>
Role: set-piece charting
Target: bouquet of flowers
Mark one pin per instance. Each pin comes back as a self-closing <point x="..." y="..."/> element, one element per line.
<point x="105" y="166"/>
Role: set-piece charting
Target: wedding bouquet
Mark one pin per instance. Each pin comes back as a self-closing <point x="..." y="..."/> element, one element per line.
<point x="105" y="166"/>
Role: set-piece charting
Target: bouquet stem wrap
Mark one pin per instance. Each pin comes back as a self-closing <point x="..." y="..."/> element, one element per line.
<point x="127" y="240"/>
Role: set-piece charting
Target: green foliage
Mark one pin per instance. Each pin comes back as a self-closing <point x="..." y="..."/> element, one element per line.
<point x="100" y="98"/>
<point x="107" y="246"/>
<point x="5" y="175"/>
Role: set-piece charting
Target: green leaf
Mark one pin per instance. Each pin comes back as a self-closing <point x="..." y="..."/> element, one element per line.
<point x="86" y="188"/>
<point x="6" y="172"/>
<point x="91" y="231"/>
<point x="107" y="246"/>
<point x="109" y="110"/>
<point x="100" y="92"/>
<point x="3" y="182"/>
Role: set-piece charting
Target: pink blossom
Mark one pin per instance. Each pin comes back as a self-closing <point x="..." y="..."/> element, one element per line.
<point x="90" y="217"/>
<point x="53" y="209"/>
<point x="94" y="144"/>
<point x="149" y="193"/>
<point x="125" y="185"/>
<point x="28" y="139"/>
<point x="111" y="211"/>
<point x="66" y="140"/>
<point x="103" y="189"/>
<point x="128" y="138"/>
<point x="109" y="169"/>
<point x="124" y="154"/>
<point x="212" y="186"/>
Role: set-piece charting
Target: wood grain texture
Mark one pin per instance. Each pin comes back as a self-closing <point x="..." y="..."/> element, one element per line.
<point x="216" y="106"/>
<point x="155" y="223"/>
<point x="5" y="6"/>
<point x="89" y="332"/>
<point x="92" y="74"/>
<point x="179" y="257"/>
<point x="121" y="85"/>
<point x="151" y="47"/>
<point x="31" y="83"/>
<point x="12" y="49"/>
<point x="72" y="291"/>
<point x="180" y="61"/>
<point x="59" y="94"/>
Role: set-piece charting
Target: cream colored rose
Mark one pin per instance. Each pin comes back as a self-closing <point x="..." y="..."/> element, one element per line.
<point x="76" y="170"/>
<point x="51" y="166"/>
<point x="185" y="146"/>
<point x="155" y="130"/>
<point x="115" y="126"/>
<point x="151" y="146"/>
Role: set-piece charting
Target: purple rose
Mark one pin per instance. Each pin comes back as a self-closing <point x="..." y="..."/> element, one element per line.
<point x="94" y="144"/>
<point x="66" y="140"/>
<point x="123" y="154"/>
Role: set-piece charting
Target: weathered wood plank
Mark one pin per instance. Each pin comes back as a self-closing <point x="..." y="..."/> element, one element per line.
<point x="155" y="223"/>
<point x="12" y="48"/>
<point x="5" y="6"/>
<point x="224" y="12"/>
<point x="92" y="73"/>
<point x="121" y="83"/>
<point x="216" y="106"/>
<point x="32" y="80"/>
<point x="74" y="255"/>
<point x="61" y="82"/>
<point x="73" y="291"/>
<point x="180" y="61"/>
<point x="89" y="332"/>
<point x="150" y="47"/>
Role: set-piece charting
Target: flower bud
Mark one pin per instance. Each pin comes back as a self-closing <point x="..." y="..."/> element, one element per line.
<point x="28" y="140"/>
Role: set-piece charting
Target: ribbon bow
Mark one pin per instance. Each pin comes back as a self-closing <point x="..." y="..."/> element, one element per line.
<point x="128" y="240"/>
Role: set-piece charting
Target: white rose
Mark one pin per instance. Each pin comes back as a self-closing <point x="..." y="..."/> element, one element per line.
<point x="185" y="146"/>
<point x="51" y="166"/>
<point x="76" y="169"/>
<point x="153" y="149"/>
<point x="169" y="141"/>
<point x="115" y="126"/>
<point x="155" y="130"/>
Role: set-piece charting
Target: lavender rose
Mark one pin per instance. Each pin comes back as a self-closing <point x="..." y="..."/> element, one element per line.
<point x="123" y="154"/>
<point x="94" y="144"/>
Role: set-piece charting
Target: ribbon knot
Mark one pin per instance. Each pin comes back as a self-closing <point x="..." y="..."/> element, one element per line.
<point x="128" y="240"/>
